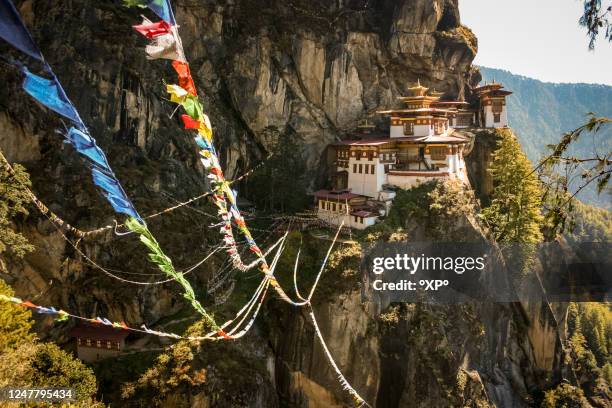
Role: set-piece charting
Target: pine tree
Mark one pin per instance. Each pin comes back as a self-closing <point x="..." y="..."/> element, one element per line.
<point x="515" y="211"/>
<point x="13" y="200"/>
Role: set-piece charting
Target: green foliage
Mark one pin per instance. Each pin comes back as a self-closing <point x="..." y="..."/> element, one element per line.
<point x="24" y="361"/>
<point x="590" y="330"/>
<point x="134" y="3"/>
<point x="54" y="367"/>
<point x="13" y="200"/>
<point x="171" y="369"/>
<point x="565" y="396"/>
<point x="589" y="224"/>
<point x="436" y="207"/>
<point x="280" y="184"/>
<point x="514" y="214"/>
<point x="15" y="322"/>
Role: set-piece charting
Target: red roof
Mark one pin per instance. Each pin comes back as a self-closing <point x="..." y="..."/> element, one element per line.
<point x="100" y="332"/>
<point x="333" y="195"/>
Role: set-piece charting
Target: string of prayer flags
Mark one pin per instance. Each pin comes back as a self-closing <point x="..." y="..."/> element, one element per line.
<point x="14" y="32"/>
<point x="221" y="191"/>
<point x="49" y="93"/>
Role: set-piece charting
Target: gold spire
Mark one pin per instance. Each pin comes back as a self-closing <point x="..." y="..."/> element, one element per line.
<point x="418" y="89"/>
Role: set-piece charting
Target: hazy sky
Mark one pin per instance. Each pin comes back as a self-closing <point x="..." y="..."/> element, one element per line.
<point x="537" y="38"/>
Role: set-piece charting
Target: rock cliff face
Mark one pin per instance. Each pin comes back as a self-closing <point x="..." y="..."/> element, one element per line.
<point x="311" y="69"/>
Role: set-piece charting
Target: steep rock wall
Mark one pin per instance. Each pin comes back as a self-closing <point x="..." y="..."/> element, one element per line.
<point x="309" y="68"/>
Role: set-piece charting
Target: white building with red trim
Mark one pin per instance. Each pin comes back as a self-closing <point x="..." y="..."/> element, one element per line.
<point x="424" y="143"/>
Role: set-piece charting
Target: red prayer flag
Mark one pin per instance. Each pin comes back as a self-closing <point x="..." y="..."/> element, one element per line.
<point x="152" y="30"/>
<point x="190" y="123"/>
<point x="184" y="76"/>
<point x="27" y="303"/>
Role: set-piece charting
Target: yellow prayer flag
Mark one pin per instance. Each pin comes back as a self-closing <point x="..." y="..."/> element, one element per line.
<point x="177" y="94"/>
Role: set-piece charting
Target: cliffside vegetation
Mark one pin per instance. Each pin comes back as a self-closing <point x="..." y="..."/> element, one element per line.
<point x="435" y="209"/>
<point x="13" y="205"/>
<point x="25" y="360"/>
<point x="589" y="330"/>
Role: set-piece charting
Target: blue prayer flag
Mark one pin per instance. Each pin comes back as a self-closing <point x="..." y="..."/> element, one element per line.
<point x="114" y="193"/>
<point x="50" y="94"/>
<point x="13" y="31"/>
<point x="86" y="145"/>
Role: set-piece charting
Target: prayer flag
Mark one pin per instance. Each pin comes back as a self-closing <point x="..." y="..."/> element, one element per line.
<point x="184" y="75"/>
<point x="163" y="47"/>
<point x="190" y="123"/>
<point x="50" y="94"/>
<point x="14" y="31"/>
<point x="177" y="94"/>
<point x="86" y="145"/>
<point x="152" y="30"/>
<point x="193" y="107"/>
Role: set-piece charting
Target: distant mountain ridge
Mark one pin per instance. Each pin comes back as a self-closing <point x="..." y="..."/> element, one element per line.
<point x="540" y="112"/>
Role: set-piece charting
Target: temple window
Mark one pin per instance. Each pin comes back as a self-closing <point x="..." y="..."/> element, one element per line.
<point x="372" y="169"/>
<point x="108" y="344"/>
<point x="438" y="153"/>
<point x="360" y="168"/>
<point x="98" y="343"/>
<point x="354" y="168"/>
<point x="408" y="128"/>
<point x="496" y="117"/>
<point x="439" y="127"/>
<point x="88" y="342"/>
<point x="334" y="207"/>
